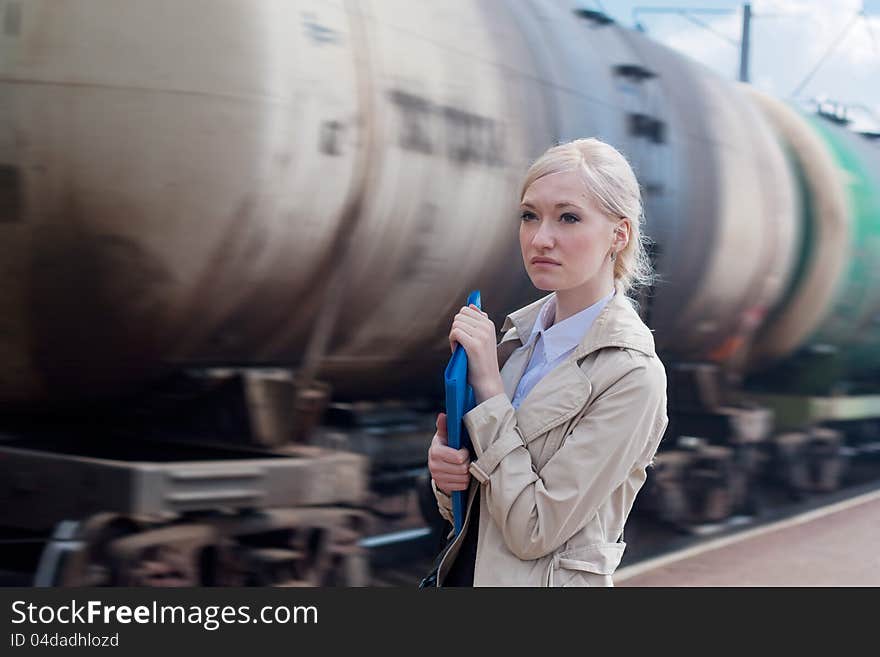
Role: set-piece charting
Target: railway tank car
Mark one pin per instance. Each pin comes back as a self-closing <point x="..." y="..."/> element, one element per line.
<point x="315" y="186"/>
<point x="181" y="202"/>
<point x="830" y="311"/>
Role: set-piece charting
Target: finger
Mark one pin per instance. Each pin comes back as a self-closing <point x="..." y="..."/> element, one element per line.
<point x="464" y="339"/>
<point x="467" y="334"/>
<point x="475" y="324"/>
<point x="455" y="485"/>
<point x="454" y="479"/>
<point x="470" y="321"/>
<point x="470" y="313"/>
<point x="448" y="469"/>
<point x="439" y="467"/>
<point x="476" y="331"/>
<point x="449" y="489"/>
<point x="460" y="327"/>
<point x="449" y="455"/>
<point x="473" y="311"/>
<point x="441" y="425"/>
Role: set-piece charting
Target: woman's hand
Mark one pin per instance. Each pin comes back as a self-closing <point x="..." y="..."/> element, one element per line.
<point x="473" y="329"/>
<point x="448" y="467"/>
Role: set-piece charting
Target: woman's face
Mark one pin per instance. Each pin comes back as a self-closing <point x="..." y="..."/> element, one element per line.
<point x="565" y="239"/>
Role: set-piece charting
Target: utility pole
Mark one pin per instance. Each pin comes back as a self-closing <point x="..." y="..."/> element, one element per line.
<point x="744" y="43"/>
<point x="688" y="13"/>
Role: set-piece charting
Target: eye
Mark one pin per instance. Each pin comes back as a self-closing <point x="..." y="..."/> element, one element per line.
<point x="569" y="218"/>
<point x="527" y="216"/>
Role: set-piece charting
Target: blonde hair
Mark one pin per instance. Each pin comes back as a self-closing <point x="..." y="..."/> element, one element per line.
<point x="611" y="181"/>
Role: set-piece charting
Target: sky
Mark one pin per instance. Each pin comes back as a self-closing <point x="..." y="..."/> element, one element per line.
<point x="789" y="38"/>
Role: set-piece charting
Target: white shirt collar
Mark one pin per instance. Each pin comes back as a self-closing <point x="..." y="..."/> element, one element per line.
<point x="565" y="335"/>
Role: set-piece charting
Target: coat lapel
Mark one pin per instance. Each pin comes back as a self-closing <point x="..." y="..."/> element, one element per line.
<point x="556" y="398"/>
<point x="512" y="360"/>
<point x="513" y="369"/>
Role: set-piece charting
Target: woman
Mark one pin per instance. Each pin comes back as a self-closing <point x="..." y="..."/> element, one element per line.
<point x="563" y="434"/>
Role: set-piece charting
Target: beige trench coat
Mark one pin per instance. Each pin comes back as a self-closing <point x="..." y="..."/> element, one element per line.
<point x="556" y="478"/>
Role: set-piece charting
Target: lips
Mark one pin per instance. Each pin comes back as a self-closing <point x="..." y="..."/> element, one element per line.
<point x="544" y="261"/>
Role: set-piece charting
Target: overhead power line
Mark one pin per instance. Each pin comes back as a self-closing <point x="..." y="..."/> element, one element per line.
<point x="827" y="54"/>
<point x="696" y="21"/>
<point x="688" y="14"/>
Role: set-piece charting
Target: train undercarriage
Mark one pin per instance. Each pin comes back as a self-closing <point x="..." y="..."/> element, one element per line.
<point x="264" y="483"/>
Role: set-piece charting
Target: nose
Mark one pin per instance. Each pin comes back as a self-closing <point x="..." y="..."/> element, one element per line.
<point x="544" y="237"/>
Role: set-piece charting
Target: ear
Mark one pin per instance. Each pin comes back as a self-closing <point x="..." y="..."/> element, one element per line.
<point x="621" y="235"/>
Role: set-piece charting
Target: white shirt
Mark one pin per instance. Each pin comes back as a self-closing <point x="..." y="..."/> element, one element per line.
<point x="554" y="343"/>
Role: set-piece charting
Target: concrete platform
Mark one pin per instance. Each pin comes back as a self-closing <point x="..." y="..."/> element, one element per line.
<point x="837" y="545"/>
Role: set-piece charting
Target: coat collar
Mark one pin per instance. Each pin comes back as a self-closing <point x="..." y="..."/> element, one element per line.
<point x="564" y="391"/>
<point x="564" y="336"/>
<point x="618" y="325"/>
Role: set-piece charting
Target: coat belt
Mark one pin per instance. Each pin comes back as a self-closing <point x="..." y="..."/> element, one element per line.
<point x="568" y="564"/>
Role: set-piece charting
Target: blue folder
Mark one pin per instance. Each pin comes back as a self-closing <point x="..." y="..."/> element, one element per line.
<point x="459" y="400"/>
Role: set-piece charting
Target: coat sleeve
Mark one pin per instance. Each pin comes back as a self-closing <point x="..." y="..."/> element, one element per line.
<point x="505" y="348"/>
<point x="444" y="502"/>
<point x="539" y="511"/>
